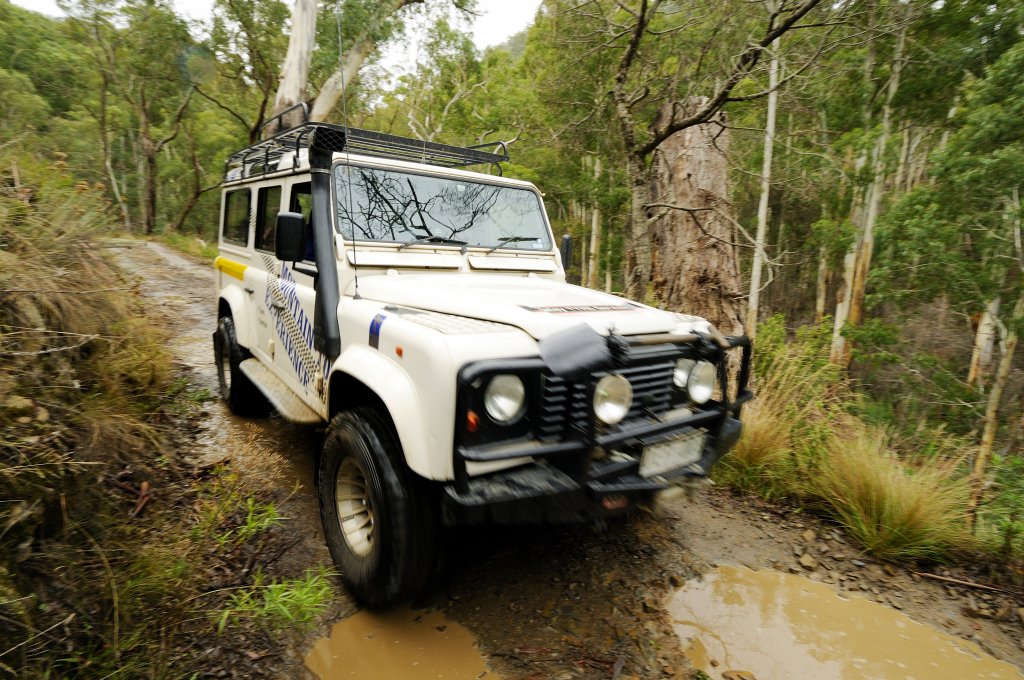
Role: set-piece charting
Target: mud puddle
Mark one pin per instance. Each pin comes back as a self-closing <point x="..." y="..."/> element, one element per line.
<point x="398" y="645"/>
<point x="739" y="623"/>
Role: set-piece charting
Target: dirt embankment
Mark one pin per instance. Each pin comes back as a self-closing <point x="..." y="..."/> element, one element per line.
<point x="553" y="603"/>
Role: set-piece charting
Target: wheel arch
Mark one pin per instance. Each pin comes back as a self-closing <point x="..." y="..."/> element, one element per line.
<point x="394" y="397"/>
<point x="231" y="303"/>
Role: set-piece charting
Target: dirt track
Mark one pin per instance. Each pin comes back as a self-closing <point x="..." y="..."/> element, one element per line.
<point x="552" y="602"/>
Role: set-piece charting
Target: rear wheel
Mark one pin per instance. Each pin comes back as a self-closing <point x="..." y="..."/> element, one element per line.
<point x="242" y="397"/>
<point x="378" y="517"/>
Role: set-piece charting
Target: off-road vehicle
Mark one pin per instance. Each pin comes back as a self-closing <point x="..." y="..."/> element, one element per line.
<point x="421" y="311"/>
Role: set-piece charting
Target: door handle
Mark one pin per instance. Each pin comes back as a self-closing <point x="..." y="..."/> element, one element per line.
<point x="248" y="290"/>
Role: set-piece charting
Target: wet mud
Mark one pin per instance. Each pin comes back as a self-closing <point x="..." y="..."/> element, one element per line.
<point x="397" y="645"/>
<point x="736" y="622"/>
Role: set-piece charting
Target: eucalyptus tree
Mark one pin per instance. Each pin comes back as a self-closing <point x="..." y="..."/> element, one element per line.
<point x="248" y="43"/>
<point x="960" y="236"/>
<point x="366" y="24"/>
<point x="670" y="67"/>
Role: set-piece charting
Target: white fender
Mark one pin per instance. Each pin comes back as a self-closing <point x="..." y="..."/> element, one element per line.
<point x="398" y="393"/>
<point x="241" y="313"/>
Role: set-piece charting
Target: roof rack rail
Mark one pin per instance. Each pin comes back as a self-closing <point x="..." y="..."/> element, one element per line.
<point x="263" y="156"/>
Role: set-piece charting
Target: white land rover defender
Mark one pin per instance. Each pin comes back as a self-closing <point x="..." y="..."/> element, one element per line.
<point x="421" y="312"/>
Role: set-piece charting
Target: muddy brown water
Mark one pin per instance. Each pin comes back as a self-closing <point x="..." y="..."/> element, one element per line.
<point x="773" y="626"/>
<point x="396" y="645"/>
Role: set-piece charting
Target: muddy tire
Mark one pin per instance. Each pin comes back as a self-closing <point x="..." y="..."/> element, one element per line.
<point x="242" y="397"/>
<point x="379" y="519"/>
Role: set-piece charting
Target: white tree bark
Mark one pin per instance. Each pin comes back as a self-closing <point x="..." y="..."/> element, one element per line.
<point x="857" y="262"/>
<point x="754" y="298"/>
<point x="595" y="233"/>
<point x="988" y="435"/>
<point x="984" y="343"/>
<point x="334" y="87"/>
<point x="295" y="70"/>
<point x="355" y="55"/>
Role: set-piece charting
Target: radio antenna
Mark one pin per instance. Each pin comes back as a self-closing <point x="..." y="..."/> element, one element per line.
<point x="348" y="159"/>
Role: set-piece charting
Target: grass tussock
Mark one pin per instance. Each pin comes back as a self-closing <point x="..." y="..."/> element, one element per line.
<point x="800" y="398"/>
<point x="900" y="498"/>
<point x="898" y="510"/>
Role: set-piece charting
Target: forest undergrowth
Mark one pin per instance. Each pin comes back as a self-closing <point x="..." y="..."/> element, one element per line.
<point x="901" y="493"/>
<point x="116" y="553"/>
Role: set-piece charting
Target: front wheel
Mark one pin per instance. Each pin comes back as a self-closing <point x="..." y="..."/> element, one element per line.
<point x="243" y="398"/>
<point x="379" y="521"/>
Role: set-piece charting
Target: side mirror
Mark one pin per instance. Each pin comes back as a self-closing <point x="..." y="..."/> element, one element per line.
<point x="290" y="244"/>
<point x="566" y="250"/>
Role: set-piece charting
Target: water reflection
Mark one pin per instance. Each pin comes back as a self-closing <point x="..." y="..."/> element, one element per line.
<point x="780" y="627"/>
<point x="403" y="644"/>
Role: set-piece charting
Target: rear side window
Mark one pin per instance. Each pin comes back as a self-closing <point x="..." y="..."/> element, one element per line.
<point x="268" y="203"/>
<point x="236" y="217"/>
<point x="302" y="200"/>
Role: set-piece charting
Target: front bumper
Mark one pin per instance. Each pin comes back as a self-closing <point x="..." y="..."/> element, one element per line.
<point x="595" y="475"/>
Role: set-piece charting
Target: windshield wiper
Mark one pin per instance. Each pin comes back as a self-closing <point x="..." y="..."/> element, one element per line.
<point x="504" y="242"/>
<point x="435" y="239"/>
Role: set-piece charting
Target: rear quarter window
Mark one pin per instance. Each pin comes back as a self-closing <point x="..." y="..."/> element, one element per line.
<point x="268" y="203"/>
<point x="237" y="206"/>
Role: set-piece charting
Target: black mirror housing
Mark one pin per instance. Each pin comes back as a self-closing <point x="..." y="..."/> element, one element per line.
<point x="566" y="249"/>
<point x="290" y="244"/>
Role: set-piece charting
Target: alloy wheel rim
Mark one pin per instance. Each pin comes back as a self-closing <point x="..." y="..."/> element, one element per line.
<point x="355" y="511"/>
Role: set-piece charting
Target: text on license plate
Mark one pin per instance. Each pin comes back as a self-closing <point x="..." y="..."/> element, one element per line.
<point x="675" y="453"/>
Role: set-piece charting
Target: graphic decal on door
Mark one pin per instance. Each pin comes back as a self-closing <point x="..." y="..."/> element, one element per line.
<point x="295" y="329"/>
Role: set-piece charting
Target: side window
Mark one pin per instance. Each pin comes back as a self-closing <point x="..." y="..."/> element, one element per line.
<point x="236" y="217"/>
<point x="268" y="204"/>
<point x="301" y="201"/>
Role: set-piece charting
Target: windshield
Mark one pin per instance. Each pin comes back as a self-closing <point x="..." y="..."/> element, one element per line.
<point x="383" y="205"/>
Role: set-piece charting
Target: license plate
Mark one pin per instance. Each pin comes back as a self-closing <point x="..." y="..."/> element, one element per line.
<point x="675" y="453"/>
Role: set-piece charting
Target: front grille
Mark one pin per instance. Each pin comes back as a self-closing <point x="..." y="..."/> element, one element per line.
<point x="565" y="407"/>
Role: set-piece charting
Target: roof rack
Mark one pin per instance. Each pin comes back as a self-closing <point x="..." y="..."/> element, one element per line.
<point x="263" y="156"/>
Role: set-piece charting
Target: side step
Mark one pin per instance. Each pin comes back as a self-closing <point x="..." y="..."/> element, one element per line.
<point x="278" y="394"/>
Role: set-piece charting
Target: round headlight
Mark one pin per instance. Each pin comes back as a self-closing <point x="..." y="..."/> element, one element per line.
<point x="504" y="398"/>
<point x="682" y="372"/>
<point x="613" y="395"/>
<point x="700" y="385"/>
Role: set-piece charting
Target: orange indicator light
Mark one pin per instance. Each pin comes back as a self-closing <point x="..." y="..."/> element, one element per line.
<point x="472" y="421"/>
<point x="399" y="351"/>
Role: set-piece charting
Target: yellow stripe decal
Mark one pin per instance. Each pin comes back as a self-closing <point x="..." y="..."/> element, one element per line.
<point x="230" y="267"/>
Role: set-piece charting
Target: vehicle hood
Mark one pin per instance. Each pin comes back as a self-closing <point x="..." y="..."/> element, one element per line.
<point x="538" y="306"/>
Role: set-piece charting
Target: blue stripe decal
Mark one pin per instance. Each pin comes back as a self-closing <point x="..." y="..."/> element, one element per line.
<point x="375" y="325"/>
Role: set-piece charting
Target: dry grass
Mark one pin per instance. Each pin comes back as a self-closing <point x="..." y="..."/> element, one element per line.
<point x="893" y="508"/>
<point x="82" y="383"/>
<point x="799" y="396"/>
<point x="90" y="588"/>
<point x="802" y="441"/>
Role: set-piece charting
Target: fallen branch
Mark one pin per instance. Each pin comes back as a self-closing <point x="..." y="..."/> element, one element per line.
<point x="958" y="582"/>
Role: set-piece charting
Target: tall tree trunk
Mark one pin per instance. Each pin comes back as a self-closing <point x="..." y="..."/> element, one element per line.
<point x="638" y="249"/>
<point x="858" y="260"/>
<point x="697" y="269"/>
<point x="295" y="70"/>
<point x="108" y="166"/>
<point x="583" y="253"/>
<point x="984" y="344"/>
<point x="988" y="435"/>
<point x="595" y="232"/>
<point x="762" y="207"/>
<point x="334" y="87"/>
